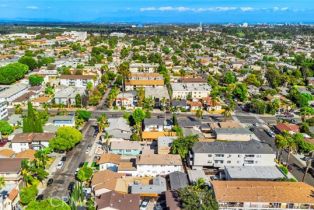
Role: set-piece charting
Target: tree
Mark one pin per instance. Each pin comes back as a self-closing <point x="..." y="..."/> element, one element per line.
<point x="28" y="194"/>
<point x="32" y="122"/>
<point x="281" y="144"/>
<point x="227" y="111"/>
<point x="29" y="61"/>
<point x="48" y="204"/>
<point x="199" y="113"/>
<point x="149" y="103"/>
<point x="5" y="128"/>
<point x="66" y="138"/>
<point x="18" y="109"/>
<point x="35" y="80"/>
<point x="124" y="70"/>
<point x="89" y="86"/>
<point x="78" y="100"/>
<point x="141" y="96"/>
<point x="182" y="145"/>
<point x="12" y="72"/>
<point x="229" y="77"/>
<point x="198" y="196"/>
<point x="138" y="116"/>
<point x="83" y="114"/>
<point x="240" y="91"/>
<point x="85" y="173"/>
<point x="102" y="122"/>
<point x="2" y="182"/>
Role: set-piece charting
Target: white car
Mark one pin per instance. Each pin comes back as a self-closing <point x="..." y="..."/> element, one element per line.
<point x="60" y="165"/>
<point x="144" y="205"/>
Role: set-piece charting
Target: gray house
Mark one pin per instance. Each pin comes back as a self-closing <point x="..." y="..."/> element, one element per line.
<point x="158" y="187"/>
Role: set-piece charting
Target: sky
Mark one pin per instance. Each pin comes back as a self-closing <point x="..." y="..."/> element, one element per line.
<point x="159" y="11"/>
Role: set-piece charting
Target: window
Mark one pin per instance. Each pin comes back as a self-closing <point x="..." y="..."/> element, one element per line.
<point x="219" y="155"/>
<point x="249" y="155"/>
<point x="210" y="155"/>
<point x="228" y="161"/>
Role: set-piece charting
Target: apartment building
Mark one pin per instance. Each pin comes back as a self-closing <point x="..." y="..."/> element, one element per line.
<point x="220" y="153"/>
<point x="12" y="92"/>
<point x="143" y="67"/>
<point x="78" y="80"/>
<point x="3" y="109"/>
<point x="25" y="141"/>
<point x="263" y="195"/>
<point x="66" y="96"/>
<point x="190" y="90"/>
<point x="144" y="80"/>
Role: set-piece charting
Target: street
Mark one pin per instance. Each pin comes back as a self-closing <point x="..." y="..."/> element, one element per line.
<point x="63" y="177"/>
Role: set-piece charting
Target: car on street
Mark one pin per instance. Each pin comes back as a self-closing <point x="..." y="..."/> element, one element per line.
<point x="270" y="133"/>
<point x="88" y="148"/>
<point x="60" y="165"/>
<point x="40" y="197"/>
<point x="49" y="182"/>
<point x="81" y="164"/>
<point x="64" y="158"/>
<point x="144" y="204"/>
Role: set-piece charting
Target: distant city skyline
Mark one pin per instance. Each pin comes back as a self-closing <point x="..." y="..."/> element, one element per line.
<point x="159" y="11"/>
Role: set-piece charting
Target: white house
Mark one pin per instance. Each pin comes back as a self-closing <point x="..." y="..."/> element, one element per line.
<point x="67" y="95"/>
<point x="36" y="141"/>
<point x="237" y="153"/>
<point x="158" y="164"/>
<point x="143" y="67"/>
<point x="109" y="161"/>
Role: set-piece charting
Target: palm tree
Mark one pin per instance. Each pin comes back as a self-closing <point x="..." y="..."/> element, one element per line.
<point x="281" y="144"/>
<point x="124" y="71"/>
<point x="291" y="145"/>
<point x="199" y="113"/>
<point x="42" y="157"/>
<point x="227" y="112"/>
<point x="102" y="122"/>
<point x="2" y="182"/>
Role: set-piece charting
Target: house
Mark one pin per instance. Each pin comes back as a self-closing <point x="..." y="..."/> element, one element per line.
<point x="132" y="148"/>
<point x="158" y="186"/>
<point x="190" y="90"/>
<point x="60" y="121"/>
<point x="41" y="100"/>
<point x="24" y="141"/>
<point x="3" y="109"/>
<point x="180" y="104"/>
<point x="10" y="169"/>
<point x="261" y="195"/>
<point x="195" y="175"/>
<point x="144" y="80"/>
<point x="211" y="105"/>
<point x="159" y="94"/>
<point x="117" y="201"/>
<point x="157" y="164"/>
<point x="233" y="134"/>
<point x="118" y="129"/>
<point x="143" y="67"/>
<point x="195" y="105"/>
<point x="109" y="161"/>
<point x="9" y="195"/>
<point x="128" y="168"/>
<point x="104" y="181"/>
<point x="126" y="100"/>
<point x="237" y="153"/>
<point x="178" y="180"/>
<point x="6" y="153"/>
<point x="23" y="99"/>
<point x="157" y="124"/>
<point x="164" y="144"/>
<point x="28" y="154"/>
<point x="287" y="127"/>
<point x="12" y="92"/>
<point x="270" y="173"/>
<point x="66" y="96"/>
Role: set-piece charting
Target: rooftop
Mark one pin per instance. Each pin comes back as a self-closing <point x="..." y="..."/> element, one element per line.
<point x="190" y="87"/>
<point x="253" y="172"/>
<point x="159" y="159"/>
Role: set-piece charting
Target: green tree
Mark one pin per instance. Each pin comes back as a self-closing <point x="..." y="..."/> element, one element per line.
<point x="240" y="91"/>
<point x="32" y="122"/>
<point x="85" y="173"/>
<point x="102" y="122"/>
<point x="48" y="204"/>
<point x="229" y="77"/>
<point x="83" y="114"/>
<point x="78" y="100"/>
<point x="5" y="128"/>
<point x="149" y="103"/>
<point x="28" y="194"/>
<point x="182" y="145"/>
<point x="29" y="61"/>
<point x="2" y="182"/>
<point x="281" y="144"/>
<point x="89" y="86"/>
<point x="199" y="113"/>
<point x="12" y="72"/>
<point x="124" y="70"/>
<point x="138" y="116"/>
<point x="35" y="80"/>
<point x="66" y="138"/>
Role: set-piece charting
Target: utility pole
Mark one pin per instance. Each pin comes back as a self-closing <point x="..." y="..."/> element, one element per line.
<point x="308" y="165"/>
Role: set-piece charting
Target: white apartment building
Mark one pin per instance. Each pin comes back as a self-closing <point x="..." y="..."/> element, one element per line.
<point x="158" y="164"/>
<point x="12" y="92"/>
<point x="3" y="109"/>
<point x="143" y="67"/>
<point x="220" y="154"/>
<point x="25" y="141"/>
<point x="78" y="80"/>
<point x="194" y="90"/>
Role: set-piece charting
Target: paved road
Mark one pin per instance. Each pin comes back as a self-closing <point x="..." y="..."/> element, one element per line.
<point x="64" y="176"/>
<point x="297" y="168"/>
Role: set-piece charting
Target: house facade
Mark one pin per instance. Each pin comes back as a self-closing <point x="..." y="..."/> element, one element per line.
<point x="80" y="81"/>
<point x="3" y="109"/>
<point x="25" y="141"/>
<point x="144" y="80"/>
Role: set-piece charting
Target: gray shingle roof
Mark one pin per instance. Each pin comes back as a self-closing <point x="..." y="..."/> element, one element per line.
<point x="178" y="180"/>
<point x="233" y="131"/>
<point x="248" y="147"/>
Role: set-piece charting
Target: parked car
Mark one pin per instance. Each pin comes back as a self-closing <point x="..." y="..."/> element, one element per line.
<point x="40" y="197"/>
<point x="144" y="204"/>
<point x="71" y="186"/>
<point x="270" y="133"/>
<point x="81" y="164"/>
<point x="88" y="148"/>
<point x="64" y="158"/>
<point x="49" y="182"/>
<point x="60" y="165"/>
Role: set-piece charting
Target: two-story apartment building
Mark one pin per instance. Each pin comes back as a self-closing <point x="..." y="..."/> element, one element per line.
<point x="220" y="153"/>
<point x="143" y="67"/>
<point x="190" y="90"/>
<point x="144" y="80"/>
<point x="12" y="92"/>
<point x="3" y="109"/>
<point x="78" y="80"/>
<point x="158" y="164"/>
<point x="10" y="169"/>
<point x="66" y="96"/>
<point x="36" y="141"/>
<point x="263" y="195"/>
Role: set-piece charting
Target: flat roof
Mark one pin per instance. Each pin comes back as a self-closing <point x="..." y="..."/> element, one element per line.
<point x="190" y="87"/>
<point x="263" y="192"/>
<point x="253" y="172"/>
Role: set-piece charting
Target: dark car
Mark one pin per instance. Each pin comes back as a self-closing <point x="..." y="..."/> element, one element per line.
<point x="64" y="158"/>
<point x="40" y="197"/>
<point x="71" y="186"/>
<point x="311" y="171"/>
<point x="49" y="182"/>
<point x="81" y="164"/>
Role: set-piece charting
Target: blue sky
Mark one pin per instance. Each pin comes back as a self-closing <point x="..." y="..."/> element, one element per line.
<point x="160" y="11"/>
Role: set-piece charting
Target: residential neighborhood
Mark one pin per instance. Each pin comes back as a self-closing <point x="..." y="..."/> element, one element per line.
<point x="157" y="117"/>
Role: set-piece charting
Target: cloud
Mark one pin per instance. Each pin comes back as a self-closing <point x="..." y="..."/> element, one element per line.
<point x="247" y="9"/>
<point x="32" y="7"/>
<point x="280" y="9"/>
